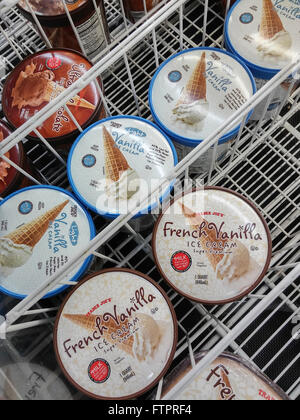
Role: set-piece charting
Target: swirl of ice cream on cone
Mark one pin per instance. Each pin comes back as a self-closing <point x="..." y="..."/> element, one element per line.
<point x="229" y="265"/>
<point x="122" y="182"/>
<point x="34" y="88"/>
<point x="193" y="106"/>
<point x="272" y="39"/>
<point x="17" y="247"/>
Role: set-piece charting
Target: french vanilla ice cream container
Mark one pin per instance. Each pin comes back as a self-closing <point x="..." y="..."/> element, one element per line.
<point x="268" y="40"/>
<point x="228" y="378"/>
<point x="116" y="163"/>
<point x="10" y="178"/>
<point x="41" y="229"/>
<point x="212" y="246"/>
<point x="115" y="335"/>
<point x="38" y="80"/>
<point x="193" y="93"/>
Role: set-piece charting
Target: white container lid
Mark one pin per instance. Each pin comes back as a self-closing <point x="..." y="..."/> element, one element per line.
<point x="212" y="246"/>
<point x="117" y="162"/>
<point x="42" y="228"/>
<point x="115" y="335"/>
<point x="197" y="90"/>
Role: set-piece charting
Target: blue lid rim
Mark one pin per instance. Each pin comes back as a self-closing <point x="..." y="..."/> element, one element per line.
<point x="85" y="264"/>
<point x="258" y="71"/>
<point x="184" y="140"/>
<point x="113" y="216"/>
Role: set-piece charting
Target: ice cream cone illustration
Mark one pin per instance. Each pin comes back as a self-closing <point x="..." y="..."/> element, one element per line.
<point x="89" y="323"/>
<point x="122" y="181"/>
<point x="4" y="166"/>
<point x="195" y="221"/>
<point x="33" y="89"/>
<point x="271" y="23"/>
<point x="31" y="233"/>
<point x="53" y="90"/>
<point x="272" y="39"/>
<point x="229" y="265"/>
<point x="192" y="106"/>
<point x="196" y="88"/>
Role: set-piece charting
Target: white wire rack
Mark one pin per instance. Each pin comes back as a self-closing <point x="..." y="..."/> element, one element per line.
<point x="262" y="164"/>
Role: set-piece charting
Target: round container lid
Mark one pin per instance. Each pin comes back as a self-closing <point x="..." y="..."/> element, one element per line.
<point x="41" y="78"/>
<point x="31" y="382"/>
<point x="228" y="378"/>
<point x="197" y="90"/>
<point x="117" y="162"/>
<point x="42" y="228"/>
<point x="212" y="246"/>
<point x="8" y="174"/>
<point x="115" y="335"/>
<point x="268" y="34"/>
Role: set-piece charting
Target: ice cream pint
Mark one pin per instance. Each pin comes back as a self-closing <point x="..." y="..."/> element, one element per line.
<point x="228" y="378"/>
<point x="115" y="335"/>
<point x="11" y="179"/>
<point x="116" y="163"/>
<point x="136" y="8"/>
<point x="268" y="40"/>
<point x="42" y="229"/>
<point x="41" y="78"/>
<point x="91" y="24"/>
<point x="193" y="93"/>
<point x="212" y="246"/>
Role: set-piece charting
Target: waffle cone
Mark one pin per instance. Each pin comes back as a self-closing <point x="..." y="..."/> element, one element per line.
<point x="195" y="221"/>
<point x="89" y="324"/>
<point x="31" y="233"/>
<point x="271" y="23"/>
<point x="53" y="90"/>
<point x="115" y="161"/>
<point x="196" y="89"/>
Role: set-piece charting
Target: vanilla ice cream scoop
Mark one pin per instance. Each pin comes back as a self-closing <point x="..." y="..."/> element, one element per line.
<point x="12" y="256"/>
<point x="126" y="187"/>
<point x="235" y="264"/>
<point x="278" y="46"/>
<point x="192" y="113"/>
<point x="147" y="338"/>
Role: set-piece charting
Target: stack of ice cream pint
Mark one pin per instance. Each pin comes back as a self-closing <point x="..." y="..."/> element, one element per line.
<point x="116" y="333"/>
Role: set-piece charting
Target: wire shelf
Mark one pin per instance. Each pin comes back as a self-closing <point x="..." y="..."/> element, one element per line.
<point x="263" y="165"/>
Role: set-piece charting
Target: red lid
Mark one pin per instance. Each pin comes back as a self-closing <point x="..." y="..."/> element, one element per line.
<point x="41" y="78"/>
<point x="8" y="174"/>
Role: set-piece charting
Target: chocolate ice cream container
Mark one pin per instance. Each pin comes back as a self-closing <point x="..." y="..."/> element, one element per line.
<point x="91" y="24"/>
<point x="38" y="80"/>
<point x="10" y="178"/>
<point x="116" y="164"/>
<point x="228" y="378"/>
<point x="268" y="40"/>
<point x="115" y="335"/>
<point x="212" y="245"/>
<point x="41" y="229"/>
<point x="193" y="93"/>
